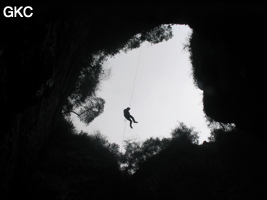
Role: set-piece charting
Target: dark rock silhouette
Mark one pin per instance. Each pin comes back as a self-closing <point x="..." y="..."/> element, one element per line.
<point x="228" y="70"/>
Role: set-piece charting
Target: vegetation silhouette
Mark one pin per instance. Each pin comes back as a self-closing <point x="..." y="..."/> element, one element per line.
<point x="228" y="167"/>
<point x="87" y="111"/>
<point x="73" y="165"/>
<point x="77" y="165"/>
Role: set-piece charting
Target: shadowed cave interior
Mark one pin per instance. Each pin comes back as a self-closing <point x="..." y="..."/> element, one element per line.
<point x="46" y="74"/>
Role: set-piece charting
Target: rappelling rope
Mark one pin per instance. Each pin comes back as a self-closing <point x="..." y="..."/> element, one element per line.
<point x="132" y="94"/>
<point x="135" y="76"/>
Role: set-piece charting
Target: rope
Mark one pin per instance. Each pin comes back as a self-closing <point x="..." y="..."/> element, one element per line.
<point x="135" y="76"/>
<point x="131" y="95"/>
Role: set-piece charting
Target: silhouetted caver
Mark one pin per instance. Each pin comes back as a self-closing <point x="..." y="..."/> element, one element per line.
<point x="128" y="116"/>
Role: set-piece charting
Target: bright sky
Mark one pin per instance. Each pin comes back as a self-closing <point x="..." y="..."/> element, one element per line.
<point x="163" y="95"/>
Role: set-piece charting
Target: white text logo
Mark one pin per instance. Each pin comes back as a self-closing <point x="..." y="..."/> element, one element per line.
<point x="18" y="12"/>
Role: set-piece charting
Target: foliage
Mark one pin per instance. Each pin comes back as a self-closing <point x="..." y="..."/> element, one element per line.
<point x="185" y="134"/>
<point x="89" y="79"/>
<point x="91" y="109"/>
<point x="154" y="36"/>
<point x="87" y="111"/>
<point x="132" y="156"/>
<point x="74" y="166"/>
<point x="82" y="100"/>
<point x="112" y="147"/>
<point x="77" y="166"/>
<point x="137" y="153"/>
<point x="216" y="127"/>
<point x="226" y="167"/>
